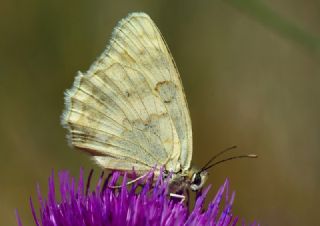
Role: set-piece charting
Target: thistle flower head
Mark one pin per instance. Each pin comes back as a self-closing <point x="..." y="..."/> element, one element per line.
<point x="142" y="203"/>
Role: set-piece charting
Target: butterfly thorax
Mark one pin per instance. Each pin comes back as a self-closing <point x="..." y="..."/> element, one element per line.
<point x="192" y="178"/>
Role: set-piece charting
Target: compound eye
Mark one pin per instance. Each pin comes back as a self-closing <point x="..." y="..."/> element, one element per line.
<point x="197" y="179"/>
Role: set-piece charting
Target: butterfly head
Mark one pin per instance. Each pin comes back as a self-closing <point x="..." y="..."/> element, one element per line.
<point x="198" y="179"/>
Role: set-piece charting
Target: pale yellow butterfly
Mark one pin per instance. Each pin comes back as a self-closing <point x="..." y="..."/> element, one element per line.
<point x="129" y="109"/>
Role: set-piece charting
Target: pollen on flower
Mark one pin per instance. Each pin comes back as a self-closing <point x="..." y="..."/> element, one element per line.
<point x="145" y="202"/>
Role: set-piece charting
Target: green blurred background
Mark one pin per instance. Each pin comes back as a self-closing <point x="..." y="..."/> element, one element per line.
<point x="251" y="74"/>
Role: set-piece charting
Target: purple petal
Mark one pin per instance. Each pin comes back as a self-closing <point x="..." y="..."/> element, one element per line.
<point x="145" y="202"/>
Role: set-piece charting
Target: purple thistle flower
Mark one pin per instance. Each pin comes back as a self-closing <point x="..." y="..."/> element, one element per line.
<point x="142" y="203"/>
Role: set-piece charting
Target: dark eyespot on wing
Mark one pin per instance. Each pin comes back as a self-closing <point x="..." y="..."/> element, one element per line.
<point x="166" y="90"/>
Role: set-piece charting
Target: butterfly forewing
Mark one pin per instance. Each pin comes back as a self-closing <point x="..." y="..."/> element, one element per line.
<point x="129" y="110"/>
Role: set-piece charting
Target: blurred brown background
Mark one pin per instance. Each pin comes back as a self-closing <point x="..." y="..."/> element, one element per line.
<point x="250" y="70"/>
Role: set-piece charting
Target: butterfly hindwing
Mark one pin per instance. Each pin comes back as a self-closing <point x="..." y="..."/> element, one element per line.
<point x="130" y="108"/>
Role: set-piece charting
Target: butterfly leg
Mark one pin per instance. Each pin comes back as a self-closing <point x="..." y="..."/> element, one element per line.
<point x="182" y="197"/>
<point x="129" y="182"/>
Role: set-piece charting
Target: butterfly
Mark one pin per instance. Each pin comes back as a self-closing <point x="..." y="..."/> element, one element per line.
<point x="129" y="110"/>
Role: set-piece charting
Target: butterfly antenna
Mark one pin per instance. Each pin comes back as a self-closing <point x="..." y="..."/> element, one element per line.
<point x="231" y="158"/>
<point x="217" y="155"/>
